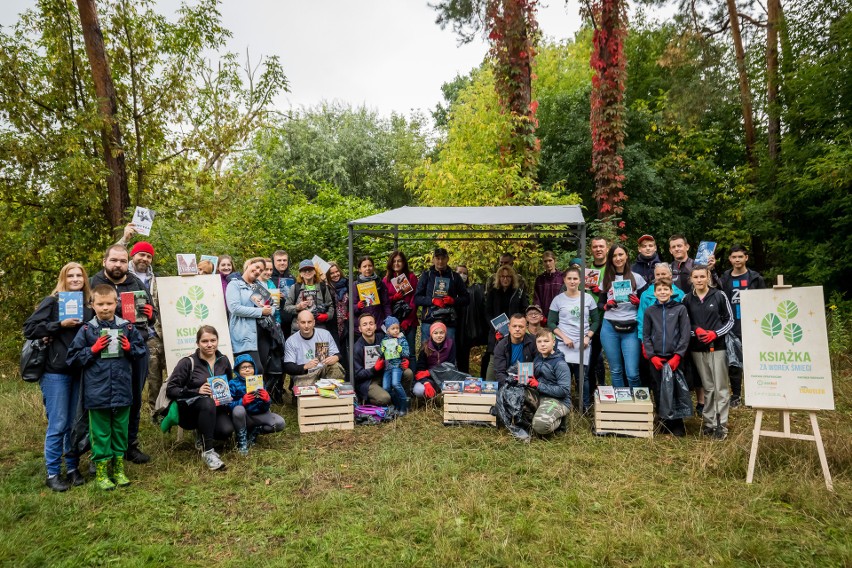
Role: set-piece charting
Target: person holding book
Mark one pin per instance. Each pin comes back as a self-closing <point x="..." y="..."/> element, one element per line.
<point x="370" y="292"/>
<point x="395" y="351"/>
<point x="552" y="380"/>
<point x="517" y="347"/>
<point x="436" y="351"/>
<point x="338" y="325"/>
<point x="189" y="388"/>
<point x="116" y="274"/>
<point x="440" y="292"/>
<point x="250" y="409"/>
<point x="565" y="322"/>
<point x="682" y="264"/>
<point x="310" y="294"/>
<point x="104" y="350"/>
<point x="505" y="297"/>
<point x="401" y="284"/>
<point x="311" y="354"/>
<point x="369" y="366"/>
<point x="247" y="305"/>
<point x="665" y="339"/>
<point x="56" y="321"/>
<point x="282" y="278"/>
<point x="619" y="301"/>
<point x="270" y="337"/>
<point x="647" y="258"/>
<point x="549" y="283"/>
<point x="595" y="270"/>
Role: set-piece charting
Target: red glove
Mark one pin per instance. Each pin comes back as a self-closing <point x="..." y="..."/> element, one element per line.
<point x="361" y="305"/>
<point x="657" y="363"/>
<point x="322" y="318"/>
<point x="429" y="390"/>
<point x="644" y="353"/>
<point x="610" y="305"/>
<point x="533" y="382"/>
<point x="421" y="375"/>
<point x="396" y="297"/>
<point x="264" y="396"/>
<point x="438" y="302"/>
<point x="595" y="289"/>
<point x="405" y="326"/>
<point x="148" y="310"/>
<point x="709" y="337"/>
<point x="699" y="333"/>
<point x="125" y="343"/>
<point x="248" y="398"/>
<point x="100" y="344"/>
<point x="674" y="362"/>
<point x="405" y="364"/>
<point x="498" y="335"/>
<point x="380" y="365"/>
<point x="634" y="299"/>
<point x="448" y="301"/>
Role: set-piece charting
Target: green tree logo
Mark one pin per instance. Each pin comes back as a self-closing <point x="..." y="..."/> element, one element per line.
<point x="772" y="326"/>
<point x="793" y="333"/>
<point x="190" y="304"/>
<point x="184" y="306"/>
<point x="788" y="309"/>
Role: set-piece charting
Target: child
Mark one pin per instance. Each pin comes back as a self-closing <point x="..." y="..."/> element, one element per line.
<point x="107" y="386"/>
<point x="394" y="349"/>
<point x="665" y="337"/>
<point x="250" y="411"/>
<point x="553" y="381"/>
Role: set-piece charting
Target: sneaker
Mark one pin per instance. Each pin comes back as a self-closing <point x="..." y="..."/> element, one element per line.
<point x="699" y="409"/>
<point x="135" y="455"/>
<point x="56" y="483"/>
<point x="212" y="459"/>
<point x="75" y="478"/>
<point x="735" y="401"/>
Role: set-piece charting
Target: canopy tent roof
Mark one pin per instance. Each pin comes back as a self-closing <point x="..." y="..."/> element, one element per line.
<point x="445" y="216"/>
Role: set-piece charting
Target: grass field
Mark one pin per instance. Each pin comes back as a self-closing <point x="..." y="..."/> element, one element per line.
<point x="417" y="493"/>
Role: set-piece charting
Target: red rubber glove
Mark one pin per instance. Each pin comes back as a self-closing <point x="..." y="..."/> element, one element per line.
<point x="610" y="305"/>
<point x="322" y="318"/>
<point x="438" y="302"/>
<point x="429" y="390"/>
<point x="248" y="398"/>
<point x="448" y="301"/>
<point x="709" y="336"/>
<point x="595" y="289"/>
<point x="533" y="382"/>
<point x="100" y="344"/>
<point x="700" y="332"/>
<point x="657" y="363"/>
<point x="421" y="375"/>
<point x="674" y="362"/>
<point x="380" y="365"/>
<point x="125" y="343"/>
<point x="634" y="299"/>
<point x="148" y="310"/>
<point x="498" y="335"/>
<point x="405" y="326"/>
<point x="264" y="396"/>
<point x="361" y="305"/>
<point x="405" y="364"/>
<point x="644" y="353"/>
<point x="396" y="297"/>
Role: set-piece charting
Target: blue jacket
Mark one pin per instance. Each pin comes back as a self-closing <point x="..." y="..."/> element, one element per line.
<point x="244" y="315"/>
<point x="554" y="377"/>
<point x="107" y="383"/>
<point x="237" y="385"/>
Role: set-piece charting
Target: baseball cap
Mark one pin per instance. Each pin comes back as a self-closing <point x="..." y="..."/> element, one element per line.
<point x="307" y="263"/>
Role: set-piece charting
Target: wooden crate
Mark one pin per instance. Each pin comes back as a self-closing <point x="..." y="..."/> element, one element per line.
<point x="319" y="413"/>
<point x="627" y="418"/>
<point x="461" y="408"/>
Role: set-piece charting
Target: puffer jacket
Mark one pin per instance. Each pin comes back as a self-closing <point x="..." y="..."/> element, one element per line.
<point x="238" y="388"/>
<point x="554" y="377"/>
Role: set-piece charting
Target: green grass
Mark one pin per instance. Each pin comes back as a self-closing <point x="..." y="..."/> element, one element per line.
<point x="416" y="493"/>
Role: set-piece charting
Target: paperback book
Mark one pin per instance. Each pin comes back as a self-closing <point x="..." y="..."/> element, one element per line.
<point x="321" y="265"/>
<point x="221" y="391"/>
<point x="621" y="290"/>
<point x="70" y="305"/>
<point x="187" y="265"/>
<point x="623" y="394"/>
<point x="525" y="373"/>
<point x="133" y="306"/>
<point x="593" y="277"/>
<point x="452" y="386"/>
<point x="391" y="347"/>
<point x="442" y="287"/>
<point x="501" y="324"/>
<point x="321" y="350"/>
<point x="606" y="394"/>
<point x="345" y="389"/>
<point x="368" y="293"/>
<point x="253" y="383"/>
<point x="472" y="386"/>
<point x="284" y="284"/>
<point x="402" y="285"/>
<point x="489" y="387"/>
<point x="705" y="250"/>
<point x="307" y="390"/>
<point x="113" y="348"/>
<point x="214" y="260"/>
<point x="371" y="355"/>
<point x="142" y="221"/>
<point x="641" y="394"/>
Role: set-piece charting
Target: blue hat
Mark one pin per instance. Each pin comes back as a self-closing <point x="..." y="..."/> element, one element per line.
<point x="244" y="358"/>
<point x="307" y="263"/>
<point x="389" y="321"/>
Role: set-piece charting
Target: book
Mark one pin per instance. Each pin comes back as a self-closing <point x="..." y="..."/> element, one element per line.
<point x="306" y="390"/>
<point x="321" y="350"/>
<point x="705" y="250"/>
<point x="621" y="290"/>
<point x="321" y="265"/>
<point x="452" y="386"/>
<point x="391" y="346"/>
<point x="345" y="389"/>
<point x="593" y="277"/>
<point x="606" y="394"/>
<point x="309" y="297"/>
<point x="142" y="220"/>
<point x="525" y="372"/>
<point x="623" y="394"/>
<point x="501" y="324"/>
<point x="276" y="297"/>
<point x="641" y="394"/>
<point x="113" y="348"/>
<point x="284" y="284"/>
<point x="368" y="292"/>
<point x="70" y="305"/>
<point x="132" y="304"/>
<point x="220" y="389"/>
<point x="187" y="265"/>
<point x="442" y="287"/>
<point x="402" y="285"/>
<point x="473" y="386"/>
<point x="371" y="355"/>
<point x="253" y="383"/>
<point x="214" y="260"/>
<point x="489" y="387"/>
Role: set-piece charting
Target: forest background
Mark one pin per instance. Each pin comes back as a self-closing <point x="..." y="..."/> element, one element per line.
<point x="227" y="172"/>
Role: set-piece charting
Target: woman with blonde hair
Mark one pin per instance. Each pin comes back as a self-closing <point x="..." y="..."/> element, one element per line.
<point x="504" y="296"/>
<point x="60" y="385"/>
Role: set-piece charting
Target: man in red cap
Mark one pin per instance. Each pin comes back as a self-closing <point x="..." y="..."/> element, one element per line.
<point x="647" y="258"/>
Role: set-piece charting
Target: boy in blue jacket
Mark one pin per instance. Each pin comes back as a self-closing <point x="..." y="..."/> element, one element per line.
<point x="107" y="382"/>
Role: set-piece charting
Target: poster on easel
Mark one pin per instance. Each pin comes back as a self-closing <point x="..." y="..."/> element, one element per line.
<point x="186" y="303"/>
<point x="786" y="363"/>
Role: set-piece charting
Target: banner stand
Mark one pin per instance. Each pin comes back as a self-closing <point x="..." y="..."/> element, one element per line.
<point x="784" y="416"/>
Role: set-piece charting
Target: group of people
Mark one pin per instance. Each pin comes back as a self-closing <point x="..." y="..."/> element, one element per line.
<point x="298" y="326"/>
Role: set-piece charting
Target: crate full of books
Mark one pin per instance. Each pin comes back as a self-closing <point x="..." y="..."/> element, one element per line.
<point x="327" y="405"/>
<point x="469" y="402"/>
<point x="624" y="411"/>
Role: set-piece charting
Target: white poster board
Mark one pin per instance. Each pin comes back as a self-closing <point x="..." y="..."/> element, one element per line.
<point x="785" y="349"/>
<point x="186" y="303"/>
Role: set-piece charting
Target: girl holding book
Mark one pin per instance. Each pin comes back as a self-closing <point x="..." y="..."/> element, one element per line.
<point x="401" y="296"/>
<point x="371" y="293"/>
<point x="436" y="351"/>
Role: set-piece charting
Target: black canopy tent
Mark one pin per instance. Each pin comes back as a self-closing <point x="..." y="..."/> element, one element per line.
<point x="408" y="224"/>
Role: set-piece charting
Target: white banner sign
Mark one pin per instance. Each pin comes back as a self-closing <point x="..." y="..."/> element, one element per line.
<point x="785" y="349"/>
<point x="187" y="303"/>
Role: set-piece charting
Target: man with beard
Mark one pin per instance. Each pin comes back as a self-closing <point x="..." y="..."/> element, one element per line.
<point x="116" y="274"/>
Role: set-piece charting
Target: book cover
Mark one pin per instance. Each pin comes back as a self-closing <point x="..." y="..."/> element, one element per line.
<point x="641" y="394"/>
<point x="501" y="324"/>
<point x="442" y="287"/>
<point x="306" y="390"/>
<point x="368" y="292"/>
<point x="593" y="277"/>
<point x="132" y="304"/>
<point x="70" y="305"/>
<point x="452" y="386"/>
<point x="187" y="265"/>
<point x="276" y="297"/>
<point x="525" y="372"/>
<point x="345" y="389"/>
<point x="214" y="260"/>
<point x="473" y="386"/>
<point x="321" y="265"/>
<point x="606" y="394"/>
<point x="621" y="290"/>
<point x="284" y="284"/>
<point x="489" y="387"/>
<point x="219" y="388"/>
<point x="113" y="349"/>
<point x="371" y="355"/>
<point x="253" y="383"/>
<point x="705" y="250"/>
<point x="321" y="350"/>
<point x="402" y="285"/>
<point x="623" y="394"/>
<point x="142" y="220"/>
<point x="309" y="297"/>
<point x="391" y="347"/>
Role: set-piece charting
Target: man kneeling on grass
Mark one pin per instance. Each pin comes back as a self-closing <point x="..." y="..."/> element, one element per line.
<point x="311" y="354"/>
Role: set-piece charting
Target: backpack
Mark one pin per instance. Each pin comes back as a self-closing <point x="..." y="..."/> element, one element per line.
<point x="369" y="414"/>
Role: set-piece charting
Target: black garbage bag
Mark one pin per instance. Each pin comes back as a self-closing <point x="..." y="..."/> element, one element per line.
<point x="515" y="408"/>
<point x="734" y="350"/>
<point x="675" y="401"/>
<point x="447" y="372"/>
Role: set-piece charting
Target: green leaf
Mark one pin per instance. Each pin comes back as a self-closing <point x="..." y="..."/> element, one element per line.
<point x="195" y="293"/>
<point x="770" y="325"/>
<point x="184" y="306"/>
<point x="793" y="332"/>
<point x="788" y="309"/>
<point x="201" y="311"/>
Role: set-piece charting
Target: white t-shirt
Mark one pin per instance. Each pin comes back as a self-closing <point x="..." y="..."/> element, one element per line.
<point x="299" y="350"/>
<point x="569" y="324"/>
<point x="624" y="311"/>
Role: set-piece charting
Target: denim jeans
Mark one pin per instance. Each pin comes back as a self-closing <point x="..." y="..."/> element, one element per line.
<point x="392" y="382"/>
<point x="622" y="352"/>
<point x="60" y="394"/>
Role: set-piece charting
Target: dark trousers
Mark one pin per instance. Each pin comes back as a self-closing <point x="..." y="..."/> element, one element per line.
<point x="656" y="383"/>
<point x="140" y="373"/>
<point x="212" y="422"/>
<point x="735" y="374"/>
<point x="596" y="362"/>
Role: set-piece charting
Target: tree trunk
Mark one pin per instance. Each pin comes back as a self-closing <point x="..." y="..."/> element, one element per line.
<point x="745" y="92"/>
<point x="773" y="110"/>
<point x="118" y="196"/>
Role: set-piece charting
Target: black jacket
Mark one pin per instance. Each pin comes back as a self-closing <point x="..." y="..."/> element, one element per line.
<point x="364" y="375"/>
<point x="751" y="280"/>
<point x="645" y="266"/>
<point x="130" y="284"/>
<point x="499" y="301"/>
<point x="192" y="372"/>
<point x="712" y="313"/>
<point x="503" y="355"/>
<point x="666" y="330"/>
<point x="554" y="377"/>
<point x="425" y="285"/>
<point x="44" y="322"/>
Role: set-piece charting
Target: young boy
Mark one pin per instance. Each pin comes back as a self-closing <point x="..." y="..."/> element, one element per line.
<point x="665" y="336"/>
<point x="250" y="410"/>
<point x="395" y="351"/>
<point x="553" y="381"/>
<point x="107" y="382"/>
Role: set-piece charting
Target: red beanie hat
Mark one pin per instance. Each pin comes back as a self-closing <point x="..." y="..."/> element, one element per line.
<point x="142" y="246"/>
